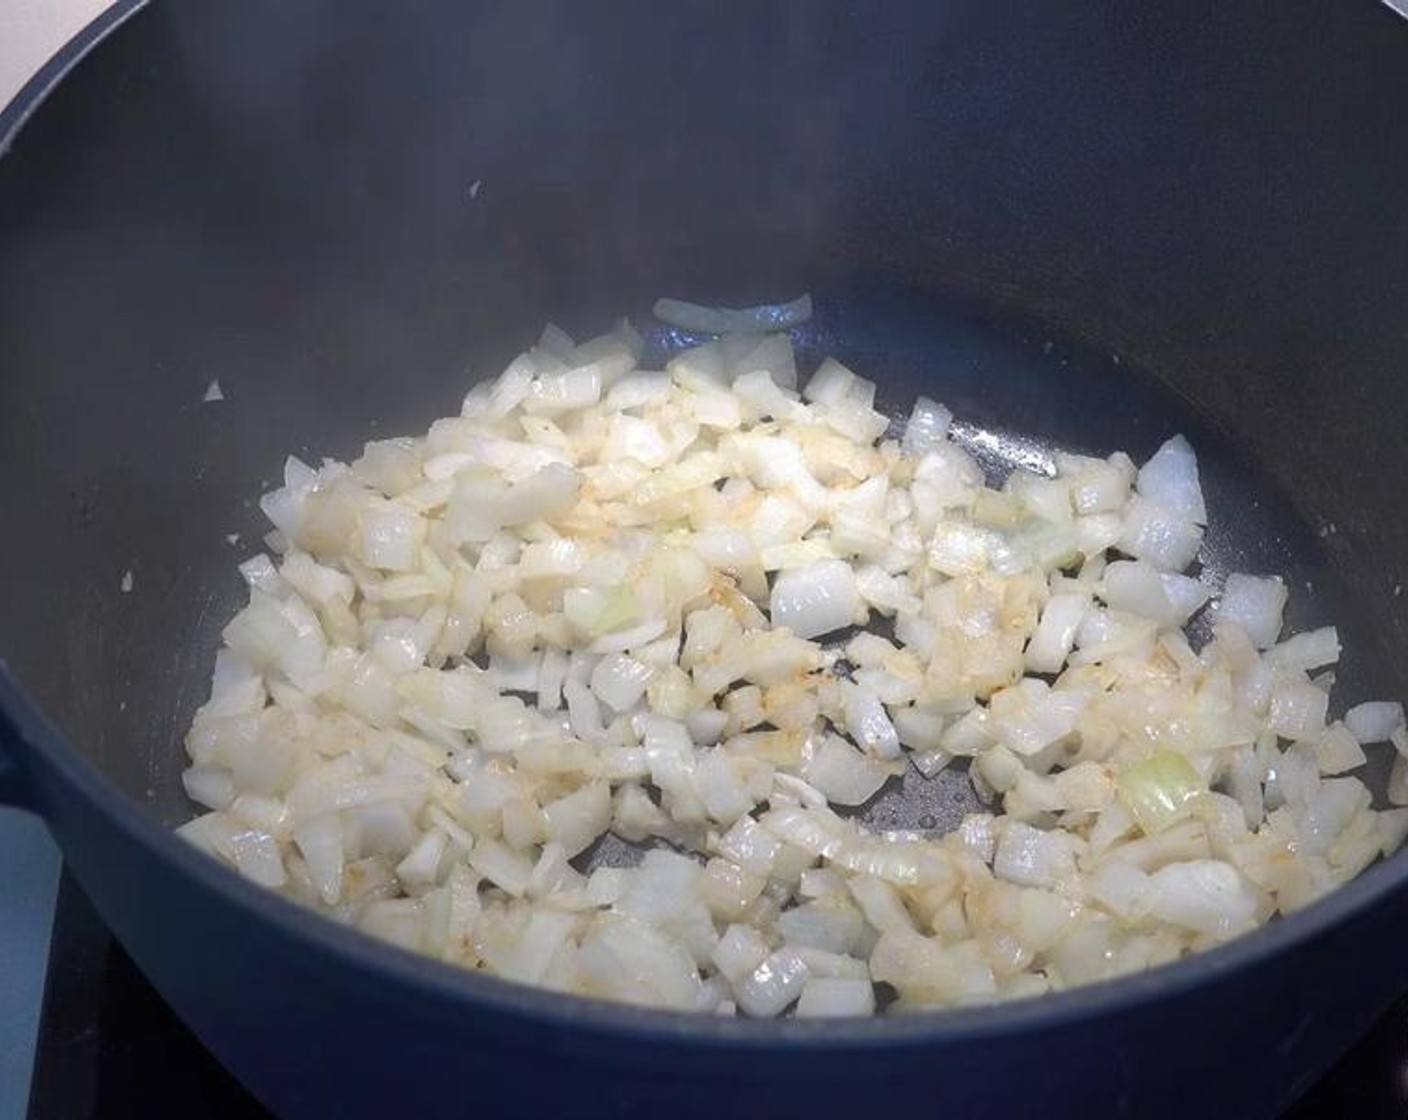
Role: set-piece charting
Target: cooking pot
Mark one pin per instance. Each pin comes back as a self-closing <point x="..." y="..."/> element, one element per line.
<point x="1098" y="223"/>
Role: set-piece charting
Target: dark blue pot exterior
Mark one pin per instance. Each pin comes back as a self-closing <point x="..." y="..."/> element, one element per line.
<point x="317" y="1023"/>
<point x="277" y="194"/>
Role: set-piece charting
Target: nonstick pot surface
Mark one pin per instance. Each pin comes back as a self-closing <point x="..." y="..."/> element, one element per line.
<point x="1095" y="228"/>
<point x="292" y="215"/>
<point x="1019" y="392"/>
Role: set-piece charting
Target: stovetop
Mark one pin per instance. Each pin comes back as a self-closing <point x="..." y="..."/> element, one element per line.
<point x="109" y="1046"/>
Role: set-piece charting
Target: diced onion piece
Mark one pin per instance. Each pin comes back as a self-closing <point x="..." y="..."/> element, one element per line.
<point x="579" y="819"/>
<point x="603" y="599"/>
<point x="1398" y="781"/>
<point x="1329" y="811"/>
<point x="771" y="354"/>
<point x="423" y="861"/>
<point x="843" y="774"/>
<point x="919" y="730"/>
<point x="214" y="788"/>
<point x="1097" y="486"/>
<point x="1055" y="635"/>
<point x="391" y="537"/>
<point x="869" y="723"/>
<point x="1185" y="595"/>
<point x="1297" y="710"/>
<point x="507" y="869"/>
<point x="750" y="846"/>
<point x="1159" y="790"/>
<point x="633" y="961"/>
<point x="824" y="998"/>
<point x="1139" y="589"/>
<point x="723" y="320"/>
<point x="927" y="426"/>
<point x="256" y="856"/>
<point x="739" y="953"/>
<point x="1170" y="480"/>
<point x="1206" y="895"/>
<point x="619" y="681"/>
<point x="1123" y="889"/>
<point x="1163" y="537"/>
<point x="1255" y="604"/>
<point x="768" y="990"/>
<point x="1374" y="721"/>
<point x="320" y="841"/>
<point x="1311" y="649"/>
<point x="1032" y="857"/>
<point x="1338" y="751"/>
<point x="815" y="599"/>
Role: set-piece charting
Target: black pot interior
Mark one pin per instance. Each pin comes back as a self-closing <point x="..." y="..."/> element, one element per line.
<point x="1098" y="226"/>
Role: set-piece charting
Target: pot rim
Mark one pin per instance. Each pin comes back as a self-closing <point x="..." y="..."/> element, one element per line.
<point x="45" y="752"/>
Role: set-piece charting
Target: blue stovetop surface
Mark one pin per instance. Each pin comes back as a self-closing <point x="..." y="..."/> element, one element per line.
<point x="29" y="874"/>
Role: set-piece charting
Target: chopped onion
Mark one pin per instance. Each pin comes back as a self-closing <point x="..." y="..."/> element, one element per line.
<point x="1338" y="751"/>
<point x="619" y="681"/>
<point x="869" y="723"/>
<point x="1375" y="721"/>
<point x="1254" y="604"/>
<point x="739" y="953"/>
<point x="1297" y="710"/>
<point x="773" y="985"/>
<point x="927" y="426"/>
<point x="1170" y="480"/>
<point x="1055" y="635"/>
<point x="815" y="599"/>
<point x="824" y="998"/>
<point x="843" y="774"/>
<point x="1163" y="537"/>
<point x="723" y="320"/>
<point x="1159" y="790"/>
<point x="1138" y="588"/>
<point x="1204" y="895"/>
<point x="1123" y="889"/>
<point x="1034" y="858"/>
<point x="607" y="605"/>
<point x="1312" y="649"/>
<point x="577" y="820"/>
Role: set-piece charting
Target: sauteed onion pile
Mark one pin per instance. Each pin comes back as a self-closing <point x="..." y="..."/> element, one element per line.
<point x="713" y="615"/>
